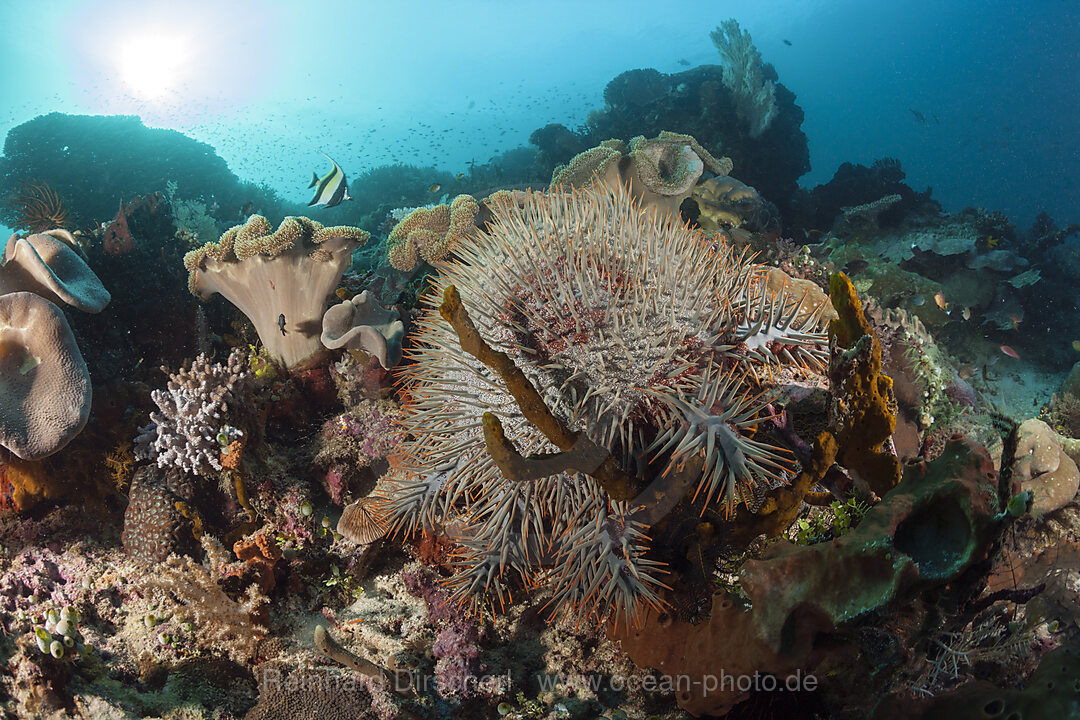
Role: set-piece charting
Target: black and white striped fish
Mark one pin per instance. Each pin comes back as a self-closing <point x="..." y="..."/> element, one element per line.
<point x="331" y="188"/>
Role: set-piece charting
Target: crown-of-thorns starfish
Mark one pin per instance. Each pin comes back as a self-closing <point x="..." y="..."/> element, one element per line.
<point x="634" y="329"/>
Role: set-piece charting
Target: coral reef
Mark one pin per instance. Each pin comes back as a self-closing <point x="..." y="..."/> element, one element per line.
<point x="934" y="524"/>
<point x="280" y="280"/>
<point x="570" y="325"/>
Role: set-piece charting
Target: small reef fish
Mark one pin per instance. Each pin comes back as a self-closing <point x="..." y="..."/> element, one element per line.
<point x="331" y="188"/>
<point x="1076" y="345"/>
<point x="247" y="210"/>
<point x="281" y="323"/>
<point x="966" y="313"/>
<point x="1010" y="352"/>
<point x="939" y="300"/>
<point x="918" y="115"/>
<point x="459" y="176"/>
<point x="435" y="187"/>
<point x="855" y="266"/>
<point x="918" y="300"/>
<point x="787" y="42"/>
<point x="1015" y="320"/>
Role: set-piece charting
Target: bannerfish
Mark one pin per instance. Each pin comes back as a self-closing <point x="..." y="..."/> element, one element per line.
<point x="281" y="323"/>
<point x="331" y="188"/>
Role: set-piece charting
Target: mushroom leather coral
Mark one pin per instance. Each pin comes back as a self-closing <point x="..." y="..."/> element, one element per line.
<point x="280" y="280"/>
<point x="44" y="382"/>
<point x="47" y="265"/>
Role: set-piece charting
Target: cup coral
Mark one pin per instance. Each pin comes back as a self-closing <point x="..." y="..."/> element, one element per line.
<point x="280" y="279"/>
<point x="636" y="332"/>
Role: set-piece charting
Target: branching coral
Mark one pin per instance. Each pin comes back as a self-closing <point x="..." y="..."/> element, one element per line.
<point x="190" y="428"/>
<point x="280" y="279"/>
<point x="221" y="624"/>
<point x="634" y="336"/>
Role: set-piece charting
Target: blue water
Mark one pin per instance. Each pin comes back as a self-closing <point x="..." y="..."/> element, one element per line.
<point x="444" y="83"/>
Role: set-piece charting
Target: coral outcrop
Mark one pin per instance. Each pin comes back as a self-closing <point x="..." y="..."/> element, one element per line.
<point x="934" y="524"/>
<point x="660" y="172"/>
<point x="618" y="338"/>
<point x="280" y="279"/>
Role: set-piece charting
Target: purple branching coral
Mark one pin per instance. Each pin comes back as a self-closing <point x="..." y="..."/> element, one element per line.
<point x="192" y="423"/>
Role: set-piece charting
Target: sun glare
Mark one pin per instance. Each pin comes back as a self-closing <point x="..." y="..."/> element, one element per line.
<point x="151" y="62"/>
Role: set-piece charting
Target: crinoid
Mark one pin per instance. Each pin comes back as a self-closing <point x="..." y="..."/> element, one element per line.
<point x="635" y="330"/>
<point x="39" y="208"/>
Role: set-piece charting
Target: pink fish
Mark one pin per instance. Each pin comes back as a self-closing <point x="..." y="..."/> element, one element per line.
<point x="1010" y="352"/>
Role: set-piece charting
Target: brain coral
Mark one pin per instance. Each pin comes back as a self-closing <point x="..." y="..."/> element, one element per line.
<point x="635" y="330"/>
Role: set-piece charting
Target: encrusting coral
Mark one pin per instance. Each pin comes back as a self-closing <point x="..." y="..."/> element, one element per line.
<point x="429" y="233"/>
<point x="280" y="279"/>
<point x="639" y="339"/>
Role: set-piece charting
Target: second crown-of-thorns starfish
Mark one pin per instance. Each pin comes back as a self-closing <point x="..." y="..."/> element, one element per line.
<point x="654" y="341"/>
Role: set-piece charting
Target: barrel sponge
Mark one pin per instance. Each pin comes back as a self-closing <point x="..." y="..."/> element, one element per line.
<point x="269" y="275"/>
<point x="429" y="233"/>
<point x="44" y="383"/>
<point x="48" y="265"/>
